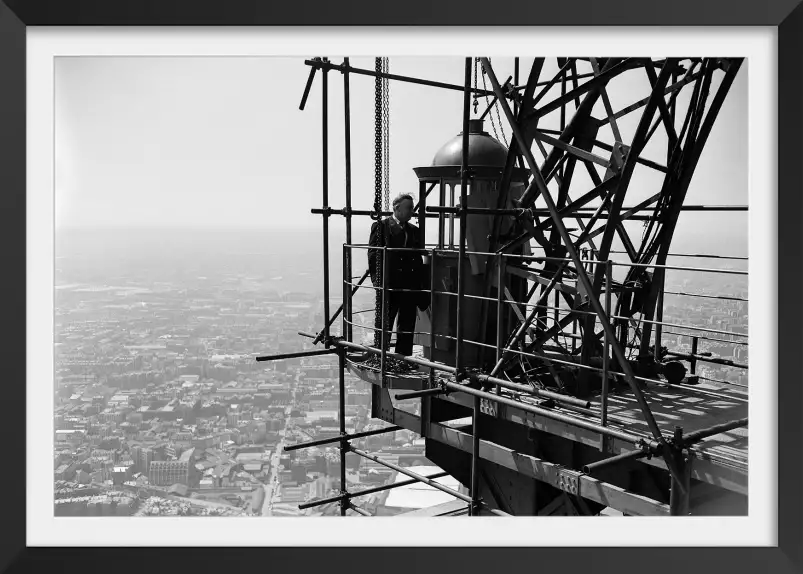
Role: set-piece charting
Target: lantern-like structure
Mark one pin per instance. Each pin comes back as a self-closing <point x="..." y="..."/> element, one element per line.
<point x="486" y="164"/>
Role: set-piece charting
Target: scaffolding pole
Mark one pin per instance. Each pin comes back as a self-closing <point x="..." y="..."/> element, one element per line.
<point x="606" y="349"/>
<point x="347" y="329"/>
<point x="326" y="65"/>
<point x="325" y="187"/>
<point x="356" y="435"/>
<point x="475" y="461"/>
<point x="464" y="172"/>
<point x="299" y="355"/>
<point x="411" y="474"/>
<point x="366" y="492"/>
<point x="343" y="440"/>
<point x="357" y="509"/>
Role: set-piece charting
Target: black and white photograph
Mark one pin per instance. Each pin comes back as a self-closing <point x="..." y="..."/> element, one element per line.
<point x="401" y="286"/>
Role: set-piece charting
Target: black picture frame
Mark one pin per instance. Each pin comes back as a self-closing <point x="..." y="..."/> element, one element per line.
<point x="16" y="15"/>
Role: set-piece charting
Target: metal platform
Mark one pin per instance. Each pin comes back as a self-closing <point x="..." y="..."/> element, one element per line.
<point x="414" y="380"/>
<point x="720" y="460"/>
<point x="692" y="409"/>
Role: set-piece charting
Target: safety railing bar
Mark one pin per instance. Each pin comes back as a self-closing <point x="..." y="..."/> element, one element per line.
<point x="551" y="308"/>
<point x="444" y="249"/>
<point x="416" y="476"/>
<point x="486" y="345"/>
<point x="568" y="311"/>
<point x="703" y="329"/>
<point x="598" y="369"/>
<point x="559" y="259"/>
<point x="686" y="255"/>
<point x="679" y="268"/>
<point x="742" y="343"/>
<point x="423" y="333"/>
<point x="705" y="359"/>
<point x="700" y="295"/>
<point x="572" y="364"/>
<point x="697" y="255"/>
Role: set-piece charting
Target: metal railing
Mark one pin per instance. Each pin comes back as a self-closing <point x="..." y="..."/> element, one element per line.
<point x="692" y="358"/>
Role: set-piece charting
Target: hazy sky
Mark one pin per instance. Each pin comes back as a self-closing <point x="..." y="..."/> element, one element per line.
<point x="220" y="142"/>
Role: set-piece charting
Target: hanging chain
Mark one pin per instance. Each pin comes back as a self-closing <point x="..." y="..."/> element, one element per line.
<point x="378" y="139"/>
<point x="476" y="98"/>
<point x="386" y="130"/>
<point x="386" y="165"/>
<point x="381" y="176"/>
<point x="496" y="106"/>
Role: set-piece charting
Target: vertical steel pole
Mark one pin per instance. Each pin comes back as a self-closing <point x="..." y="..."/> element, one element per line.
<point x="346" y="294"/>
<point x="659" y="317"/>
<point x="624" y="333"/>
<point x="451" y="216"/>
<point x="349" y="334"/>
<point x="461" y="283"/>
<point x="344" y="502"/>
<point x="693" y="362"/>
<point x="442" y="216"/>
<point x="432" y="341"/>
<point x="384" y="315"/>
<point x="516" y="83"/>
<point x="680" y="493"/>
<point x="556" y="314"/>
<point x="426" y="402"/>
<point x="563" y="117"/>
<point x="606" y="351"/>
<point x="475" y="461"/>
<point x="325" y="155"/>
<point x="500" y="293"/>
<point x="422" y="212"/>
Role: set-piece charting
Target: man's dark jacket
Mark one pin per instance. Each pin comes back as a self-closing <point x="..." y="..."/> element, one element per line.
<point x="405" y="269"/>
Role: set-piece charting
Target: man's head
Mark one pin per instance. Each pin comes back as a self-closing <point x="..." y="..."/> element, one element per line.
<point x="403" y="207"/>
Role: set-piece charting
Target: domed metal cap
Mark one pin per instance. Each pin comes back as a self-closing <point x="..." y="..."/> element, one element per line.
<point x="483" y="150"/>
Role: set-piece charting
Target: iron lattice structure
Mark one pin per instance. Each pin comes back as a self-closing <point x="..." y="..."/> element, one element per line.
<point x="548" y="367"/>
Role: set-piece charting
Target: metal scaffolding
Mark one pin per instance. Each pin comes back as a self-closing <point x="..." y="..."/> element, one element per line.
<point x="605" y="336"/>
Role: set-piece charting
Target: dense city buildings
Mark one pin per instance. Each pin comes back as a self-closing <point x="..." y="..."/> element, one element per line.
<point x="161" y="408"/>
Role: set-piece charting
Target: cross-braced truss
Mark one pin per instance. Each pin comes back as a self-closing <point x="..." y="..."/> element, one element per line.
<point x="610" y="160"/>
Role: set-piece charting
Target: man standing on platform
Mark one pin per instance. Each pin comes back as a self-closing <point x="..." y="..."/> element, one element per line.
<point x="404" y="274"/>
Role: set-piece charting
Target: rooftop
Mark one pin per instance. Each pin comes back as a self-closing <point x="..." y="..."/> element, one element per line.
<point x="419" y="495"/>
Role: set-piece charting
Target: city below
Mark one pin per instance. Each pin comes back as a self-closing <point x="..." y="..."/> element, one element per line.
<point x="161" y="408"/>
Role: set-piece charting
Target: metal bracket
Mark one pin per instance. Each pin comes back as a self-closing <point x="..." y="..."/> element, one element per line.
<point x="568" y="480"/>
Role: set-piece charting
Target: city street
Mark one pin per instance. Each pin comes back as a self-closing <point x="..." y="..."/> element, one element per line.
<point x="273" y="482"/>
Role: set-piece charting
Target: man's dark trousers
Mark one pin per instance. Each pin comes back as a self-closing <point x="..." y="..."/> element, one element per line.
<point x="403" y="307"/>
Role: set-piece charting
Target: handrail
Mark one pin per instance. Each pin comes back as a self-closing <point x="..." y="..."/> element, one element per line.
<point x="559" y="309"/>
<point x="551" y="259"/>
<point x="547" y="357"/>
<point x="558" y="361"/>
